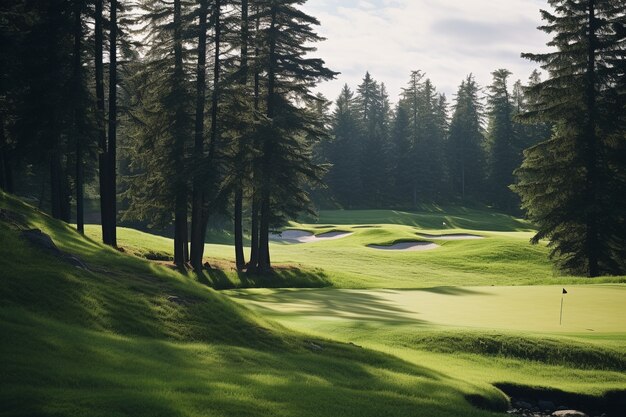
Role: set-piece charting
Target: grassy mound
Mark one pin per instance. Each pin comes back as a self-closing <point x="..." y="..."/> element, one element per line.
<point x="126" y="337"/>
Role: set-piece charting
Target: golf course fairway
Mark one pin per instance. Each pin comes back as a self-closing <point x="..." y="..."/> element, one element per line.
<point x="586" y="309"/>
<point x="338" y="329"/>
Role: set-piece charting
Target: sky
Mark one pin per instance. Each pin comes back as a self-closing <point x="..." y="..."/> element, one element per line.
<point x="446" y="39"/>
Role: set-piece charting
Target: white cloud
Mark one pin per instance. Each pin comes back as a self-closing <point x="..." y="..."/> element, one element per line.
<point x="447" y="39"/>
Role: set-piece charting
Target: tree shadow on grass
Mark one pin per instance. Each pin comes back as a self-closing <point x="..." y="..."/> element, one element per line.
<point x="456" y="291"/>
<point x="353" y="305"/>
<point x="280" y="277"/>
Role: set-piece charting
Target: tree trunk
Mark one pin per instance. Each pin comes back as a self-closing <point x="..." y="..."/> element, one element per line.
<point x="591" y="150"/>
<point x="240" y="259"/>
<point x="111" y="161"/>
<point x="264" y="251"/>
<point x="6" y="173"/>
<point x="100" y="120"/>
<point x="180" y="222"/>
<point x="55" y="185"/>
<point x="198" y="237"/>
<point x="197" y="249"/>
<point x="78" y="26"/>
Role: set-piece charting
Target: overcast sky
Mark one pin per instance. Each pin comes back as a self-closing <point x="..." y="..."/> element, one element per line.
<point x="446" y="39"/>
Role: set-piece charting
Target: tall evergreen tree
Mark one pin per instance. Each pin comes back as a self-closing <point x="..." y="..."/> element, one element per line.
<point x="110" y="171"/>
<point x="163" y="125"/>
<point x="503" y="156"/>
<point x="344" y="153"/>
<point x="568" y="184"/>
<point x="373" y="109"/>
<point x="285" y="161"/>
<point x="403" y="162"/>
<point x="465" y="145"/>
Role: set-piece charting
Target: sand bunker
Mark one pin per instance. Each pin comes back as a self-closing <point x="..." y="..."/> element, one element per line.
<point x="406" y="246"/>
<point x="451" y="236"/>
<point x="300" y="236"/>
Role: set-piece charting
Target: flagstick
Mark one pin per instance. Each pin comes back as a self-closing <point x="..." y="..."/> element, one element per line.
<point x="561" y="319"/>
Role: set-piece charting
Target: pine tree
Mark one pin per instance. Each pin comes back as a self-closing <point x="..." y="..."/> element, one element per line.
<point x="373" y="109"/>
<point x="569" y="185"/>
<point x="344" y="153"/>
<point x="163" y="126"/>
<point x="286" y="157"/>
<point x="503" y="156"/>
<point x="429" y="148"/>
<point x="465" y="150"/>
<point x="411" y="98"/>
<point x="402" y="159"/>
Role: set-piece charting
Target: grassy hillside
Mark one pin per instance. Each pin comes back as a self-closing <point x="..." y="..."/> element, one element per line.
<point x="130" y="338"/>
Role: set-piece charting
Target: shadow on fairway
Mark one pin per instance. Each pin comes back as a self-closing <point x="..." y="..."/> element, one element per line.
<point x="457" y="291"/>
<point x="280" y="277"/>
<point x="355" y="305"/>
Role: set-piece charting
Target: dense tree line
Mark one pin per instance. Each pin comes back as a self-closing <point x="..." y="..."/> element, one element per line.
<point x="424" y="150"/>
<point x="175" y="111"/>
<point x="205" y="100"/>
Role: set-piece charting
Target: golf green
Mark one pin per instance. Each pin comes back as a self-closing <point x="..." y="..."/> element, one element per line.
<point x="586" y="309"/>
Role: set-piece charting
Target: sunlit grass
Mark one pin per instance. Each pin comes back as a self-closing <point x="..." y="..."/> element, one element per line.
<point x="111" y="341"/>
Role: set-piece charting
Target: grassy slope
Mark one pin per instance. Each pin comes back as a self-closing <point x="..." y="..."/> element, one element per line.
<point x="108" y="342"/>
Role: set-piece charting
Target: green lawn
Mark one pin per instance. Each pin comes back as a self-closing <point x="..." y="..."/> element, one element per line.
<point x="479" y="334"/>
<point x="111" y="341"/>
<point x="501" y="258"/>
<point x="392" y="333"/>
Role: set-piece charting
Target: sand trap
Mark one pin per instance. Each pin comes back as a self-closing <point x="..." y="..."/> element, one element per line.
<point x="406" y="246"/>
<point x="300" y="236"/>
<point x="451" y="236"/>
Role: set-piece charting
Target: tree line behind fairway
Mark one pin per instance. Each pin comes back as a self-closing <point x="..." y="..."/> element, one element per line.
<point x="174" y="112"/>
<point x="416" y="152"/>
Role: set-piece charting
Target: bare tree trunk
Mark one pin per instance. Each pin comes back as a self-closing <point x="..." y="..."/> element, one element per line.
<point x="112" y="145"/>
<point x="55" y="184"/>
<point x="6" y="173"/>
<point x="198" y="237"/>
<point x="198" y="194"/>
<point x="592" y="245"/>
<point x="254" y="212"/>
<point x="100" y="119"/>
<point x="180" y="211"/>
<point x="265" y="264"/>
<point x="254" y="234"/>
<point x="80" y="218"/>
<point x="240" y="259"/>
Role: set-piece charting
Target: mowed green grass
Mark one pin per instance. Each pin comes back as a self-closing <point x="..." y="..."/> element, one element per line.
<point x="485" y="311"/>
<point x="479" y="334"/>
<point x="501" y="258"/>
<point x="587" y="309"/>
<point x="111" y="341"/>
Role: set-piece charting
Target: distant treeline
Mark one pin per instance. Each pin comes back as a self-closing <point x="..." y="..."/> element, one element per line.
<point x="417" y="152"/>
